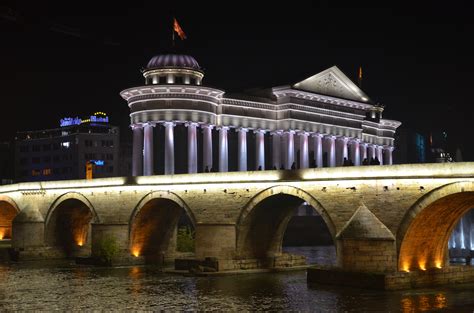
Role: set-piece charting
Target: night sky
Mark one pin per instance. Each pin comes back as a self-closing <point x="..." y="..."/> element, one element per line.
<point x="73" y="60"/>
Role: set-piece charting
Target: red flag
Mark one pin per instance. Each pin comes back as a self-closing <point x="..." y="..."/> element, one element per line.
<point x="178" y="29"/>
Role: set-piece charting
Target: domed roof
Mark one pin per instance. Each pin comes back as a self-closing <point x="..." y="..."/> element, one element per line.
<point x="173" y="61"/>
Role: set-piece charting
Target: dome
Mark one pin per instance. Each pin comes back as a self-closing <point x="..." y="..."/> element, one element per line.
<point x="173" y="61"/>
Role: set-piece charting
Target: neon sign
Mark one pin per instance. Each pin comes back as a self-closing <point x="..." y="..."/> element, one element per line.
<point x="69" y="121"/>
<point x="97" y="117"/>
<point x="97" y="162"/>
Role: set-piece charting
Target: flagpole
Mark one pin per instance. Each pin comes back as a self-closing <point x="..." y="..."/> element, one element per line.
<point x="172" y="34"/>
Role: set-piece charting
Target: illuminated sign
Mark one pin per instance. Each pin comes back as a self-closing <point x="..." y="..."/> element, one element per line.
<point x="97" y="117"/>
<point x="69" y="121"/>
<point x="97" y="162"/>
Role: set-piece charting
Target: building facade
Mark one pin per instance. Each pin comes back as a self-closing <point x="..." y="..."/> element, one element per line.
<point x="62" y="153"/>
<point x="182" y="126"/>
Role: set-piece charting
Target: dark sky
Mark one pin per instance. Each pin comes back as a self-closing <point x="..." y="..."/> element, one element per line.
<point x="74" y="59"/>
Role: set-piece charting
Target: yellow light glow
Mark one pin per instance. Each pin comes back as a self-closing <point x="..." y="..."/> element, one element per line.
<point x="406" y="268"/>
<point x="438" y="264"/>
<point x="80" y="243"/>
<point x="136" y="253"/>
<point x="422" y="265"/>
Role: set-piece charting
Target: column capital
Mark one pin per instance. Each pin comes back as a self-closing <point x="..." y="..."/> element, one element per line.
<point x="332" y="137"/>
<point x="207" y="126"/>
<point x="187" y="124"/>
<point x="343" y="138"/>
<point x="169" y="123"/>
<point x="355" y="140"/>
<point x="152" y="124"/>
<point x="276" y="132"/>
<point x="317" y="135"/>
<point x="223" y="127"/>
<point x="136" y="126"/>
<point x="389" y="148"/>
<point x="302" y="133"/>
<point x="289" y="131"/>
<point x="242" y="129"/>
<point x="259" y="131"/>
<point x="364" y="144"/>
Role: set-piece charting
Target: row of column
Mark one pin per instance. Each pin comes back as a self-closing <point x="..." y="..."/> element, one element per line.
<point x="337" y="149"/>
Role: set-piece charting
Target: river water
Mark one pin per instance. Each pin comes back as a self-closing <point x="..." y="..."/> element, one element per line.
<point x="63" y="285"/>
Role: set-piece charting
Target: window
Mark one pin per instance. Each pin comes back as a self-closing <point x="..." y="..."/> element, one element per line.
<point x="55" y="146"/>
<point x="110" y="156"/>
<point x="65" y="145"/>
<point x="47" y="159"/>
<point x="162" y="80"/>
<point x="88" y="143"/>
<point x="46" y="172"/>
<point x="24" y="149"/>
<point x="56" y="158"/>
<point x="23" y="161"/>
<point x="110" y="169"/>
<point x="47" y="147"/>
<point x="36" y="148"/>
<point x="35" y="173"/>
<point x="35" y="160"/>
<point x="178" y="80"/>
<point x="192" y="81"/>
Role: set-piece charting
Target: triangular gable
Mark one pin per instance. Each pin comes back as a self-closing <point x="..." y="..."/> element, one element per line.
<point x="365" y="225"/>
<point x="332" y="82"/>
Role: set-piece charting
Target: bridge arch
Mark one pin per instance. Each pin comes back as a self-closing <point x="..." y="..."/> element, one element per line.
<point x="260" y="234"/>
<point x="153" y="222"/>
<point x="8" y="210"/>
<point x="67" y="224"/>
<point x="429" y="223"/>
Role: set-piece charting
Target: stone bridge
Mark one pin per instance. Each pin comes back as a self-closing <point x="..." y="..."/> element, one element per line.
<point x="381" y="218"/>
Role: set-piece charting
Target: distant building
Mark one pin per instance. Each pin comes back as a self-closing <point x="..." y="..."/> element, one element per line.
<point x="6" y="161"/>
<point x="410" y="146"/>
<point x="62" y="153"/>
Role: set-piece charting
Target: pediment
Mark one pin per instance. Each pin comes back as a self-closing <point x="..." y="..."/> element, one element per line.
<point x="332" y="82"/>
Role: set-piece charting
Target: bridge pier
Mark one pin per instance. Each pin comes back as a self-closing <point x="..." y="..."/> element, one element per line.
<point x="103" y="234"/>
<point x="216" y="241"/>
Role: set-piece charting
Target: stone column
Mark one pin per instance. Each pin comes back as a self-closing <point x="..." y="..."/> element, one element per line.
<point x="363" y="152"/>
<point x="388" y="160"/>
<point x="207" y="147"/>
<point x="148" y="149"/>
<point x="304" y="149"/>
<point x="318" y="149"/>
<point x="169" y="147"/>
<point x="290" y="148"/>
<point x="276" y="149"/>
<point x="192" y="147"/>
<point x="355" y="152"/>
<point x="259" y="149"/>
<point x="137" y="152"/>
<point x="331" y="149"/>
<point x="380" y="154"/>
<point x="223" y="149"/>
<point x="342" y="150"/>
<point x="371" y="155"/>
<point x="242" y="148"/>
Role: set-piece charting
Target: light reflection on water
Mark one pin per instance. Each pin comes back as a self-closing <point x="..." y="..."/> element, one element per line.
<point x="64" y="286"/>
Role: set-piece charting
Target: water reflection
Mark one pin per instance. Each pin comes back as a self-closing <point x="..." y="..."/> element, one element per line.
<point x="65" y="286"/>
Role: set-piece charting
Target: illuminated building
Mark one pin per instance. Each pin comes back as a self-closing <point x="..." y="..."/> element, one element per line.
<point x="182" y="126"/>
<point x="62" y="153"/>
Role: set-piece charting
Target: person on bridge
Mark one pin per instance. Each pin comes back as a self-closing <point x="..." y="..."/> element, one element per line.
<point x="365" y="162"/>
<point x="293" y="166"/>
